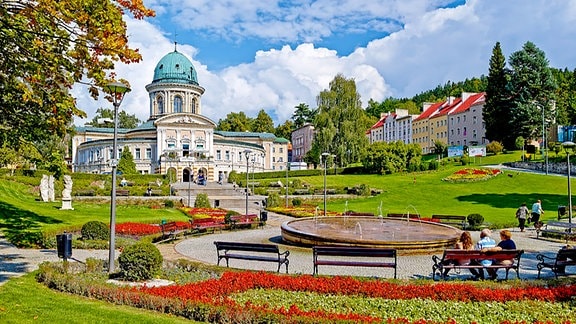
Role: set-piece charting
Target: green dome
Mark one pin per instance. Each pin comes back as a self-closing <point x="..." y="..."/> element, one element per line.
<point x="175" y="68"/>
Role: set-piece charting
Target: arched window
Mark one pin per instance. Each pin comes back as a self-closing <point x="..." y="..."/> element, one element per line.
<point x="160" y="102"/>
<point x="177" y="104"/>
<point x="193" y="106"/>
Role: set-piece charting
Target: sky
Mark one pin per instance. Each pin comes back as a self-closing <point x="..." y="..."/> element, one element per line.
<point x="275" y="54"/>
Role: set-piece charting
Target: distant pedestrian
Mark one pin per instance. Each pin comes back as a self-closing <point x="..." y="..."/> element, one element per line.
<point x="536" y="212"/>
<point x="522" y="215"/>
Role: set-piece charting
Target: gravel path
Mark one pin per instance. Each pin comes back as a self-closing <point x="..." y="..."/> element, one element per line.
<point x="15" y="262"/>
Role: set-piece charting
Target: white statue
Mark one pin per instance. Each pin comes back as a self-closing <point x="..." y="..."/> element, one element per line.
<point x="67" y="192"/>
<point x="51" y="188"/>
<point x="44" y="188"/>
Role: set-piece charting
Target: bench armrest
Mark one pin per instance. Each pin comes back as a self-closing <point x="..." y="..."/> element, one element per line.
<point x="543" y="258"/>
<point x="285" y="253"/>
<point x="437" y="259"/>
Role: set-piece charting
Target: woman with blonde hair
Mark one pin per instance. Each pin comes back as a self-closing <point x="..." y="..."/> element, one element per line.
<point x="505" y="243"/>
<point x="464" y="243"/>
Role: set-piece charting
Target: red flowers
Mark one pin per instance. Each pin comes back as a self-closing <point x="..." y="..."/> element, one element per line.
<point x="217" y="291"/>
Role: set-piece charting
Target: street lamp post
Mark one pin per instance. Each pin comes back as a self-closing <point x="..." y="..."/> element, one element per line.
<point x="189" y="180"/>
<point x="287" y="164"/>
<point x="247" y="155"/>
<point x="117" y="90"/>
<point x="568" y="146"/>
<point x="325" y="158"/>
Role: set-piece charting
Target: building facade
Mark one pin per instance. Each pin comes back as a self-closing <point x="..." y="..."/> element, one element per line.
<point x="177" y="138"/>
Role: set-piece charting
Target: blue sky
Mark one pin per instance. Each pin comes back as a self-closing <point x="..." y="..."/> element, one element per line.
<point x="272" y="55"/>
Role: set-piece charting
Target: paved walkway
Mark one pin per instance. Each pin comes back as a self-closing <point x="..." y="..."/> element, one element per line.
<point x="16" y="262"/>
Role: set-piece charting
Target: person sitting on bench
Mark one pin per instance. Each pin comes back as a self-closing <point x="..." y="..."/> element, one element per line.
<point x="505" y="243"/>
<point x="485" y="242"/>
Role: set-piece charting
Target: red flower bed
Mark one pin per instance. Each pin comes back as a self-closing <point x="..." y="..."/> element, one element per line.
<point x="140" y="229"/>
<point x="216" y="291"/>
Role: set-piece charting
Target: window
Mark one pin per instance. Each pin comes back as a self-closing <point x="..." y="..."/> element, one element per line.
<point x="464" y="131"/>
<point x="137" y="155"/>
<point x="474" y="120"/>
<point x="148" y="153"/>
<point x="281" y="150"/>
<point x="177" y="104"/>
<point x="186" y="149"/>
<point x="193" y="106"/>
<point x="227" y="155"/>
<point x="218" y="155"/>
<point x="160" y="102"/>
<point x="474" y="133"/>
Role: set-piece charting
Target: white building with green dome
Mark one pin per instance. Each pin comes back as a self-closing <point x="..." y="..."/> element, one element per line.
<point x="177" y="136"/>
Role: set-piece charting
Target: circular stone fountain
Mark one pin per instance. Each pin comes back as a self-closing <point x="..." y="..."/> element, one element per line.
<point x="369" y="231"/>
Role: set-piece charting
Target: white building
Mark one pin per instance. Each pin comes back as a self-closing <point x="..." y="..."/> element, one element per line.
<point x="177" y="136"/>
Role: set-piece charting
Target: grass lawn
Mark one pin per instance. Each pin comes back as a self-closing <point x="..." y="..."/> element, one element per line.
<point x="23" y="300"/>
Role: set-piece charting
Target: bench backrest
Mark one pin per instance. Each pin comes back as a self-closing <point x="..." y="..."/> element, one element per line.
<point x="254" y="247"/>
<point x="454" y="254"/>
<point x="354" y="251"/>
<point x="170" y="226"/>
<point x="249" y="217"/>
<point x="561" y="224"/>
<point x="203" y="221"/>
<point x="450" y="217"/>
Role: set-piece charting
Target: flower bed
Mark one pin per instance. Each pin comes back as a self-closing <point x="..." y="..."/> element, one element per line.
<point x="472" y="174"/>
<point x="214" y="213"/>
<point x="262" y="297"/>
<point x="302" y="211"/>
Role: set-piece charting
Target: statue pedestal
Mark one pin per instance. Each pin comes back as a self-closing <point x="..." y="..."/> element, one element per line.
<point x="67" y="204"/>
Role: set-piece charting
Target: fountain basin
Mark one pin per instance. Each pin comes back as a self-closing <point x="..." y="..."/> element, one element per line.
<point x="367" y="231"/>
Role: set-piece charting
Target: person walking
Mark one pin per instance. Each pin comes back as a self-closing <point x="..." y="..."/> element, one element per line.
<point x="536" y="212"/>
<point x="522" y="214"/>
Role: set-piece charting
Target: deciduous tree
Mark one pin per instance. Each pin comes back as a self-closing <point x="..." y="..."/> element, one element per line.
<point x="125" y="120"/>
<point x="46" y="46"/>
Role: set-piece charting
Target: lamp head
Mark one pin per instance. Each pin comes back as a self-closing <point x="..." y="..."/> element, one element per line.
<point x="117" y="90"/>
<point x="568" y="144"/>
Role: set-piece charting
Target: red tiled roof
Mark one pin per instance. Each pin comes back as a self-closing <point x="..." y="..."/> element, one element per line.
<point x="448" y="109"/>
<point x="432" y="109"/>
<point x="473" y="99"/>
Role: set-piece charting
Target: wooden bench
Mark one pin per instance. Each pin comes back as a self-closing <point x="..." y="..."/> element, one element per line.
<point x="405" y="216"/>
<point x="343" y="254"/>
<point x="238" y="221"/>
<point x="170" y="231"/>
<point x="122" y="192"/>
<point x="253" y="251"/>
<point x="457" y="220"/>
<point x="301" y="192"/>
<point x="558" y="263"/>
<point x="567" y="230"/>
<point x="206" y="224"/>
<point x="441" y="263"/>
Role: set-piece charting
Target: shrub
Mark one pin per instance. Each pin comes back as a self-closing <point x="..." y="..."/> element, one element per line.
<point x="494" y="147"/>
<point x="475" y="220"/>
<point x="140" y="261"/>
<point x="273" y="200"/>
<point x="169" y="203"/>
<point x="202" y="201"/>
<point x="465" y="160"/>
<point x="296" y="202"/>
<point x="95" y="230"/>
<point x="433" y="165"/>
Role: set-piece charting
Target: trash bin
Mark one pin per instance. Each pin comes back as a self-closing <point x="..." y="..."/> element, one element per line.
<point x="263" y="216"/>
<point x="64" y="245"/>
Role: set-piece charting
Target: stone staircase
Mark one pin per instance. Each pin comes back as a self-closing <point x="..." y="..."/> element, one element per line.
<point x="225" y="195"/>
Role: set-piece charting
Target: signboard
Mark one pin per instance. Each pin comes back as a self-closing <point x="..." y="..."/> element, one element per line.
<point x="477" y="151"/>
<point x="457" y="150"/>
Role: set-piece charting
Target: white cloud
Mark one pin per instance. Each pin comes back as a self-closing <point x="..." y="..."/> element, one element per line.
<point x="429" y="47"/>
